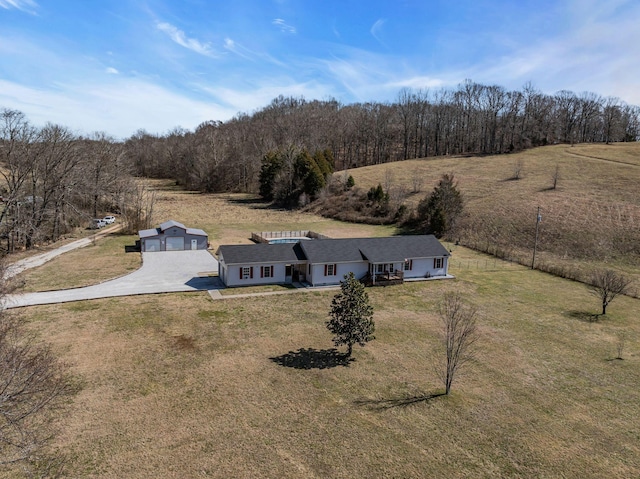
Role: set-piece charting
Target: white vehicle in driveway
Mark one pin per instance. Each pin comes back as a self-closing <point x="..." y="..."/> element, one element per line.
<point x="97" y="223"/>
<point x="109" y="219"/>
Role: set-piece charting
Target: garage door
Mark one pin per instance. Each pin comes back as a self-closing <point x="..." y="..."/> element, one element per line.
<point x="152" y="245"/>
<point x="175" y="243"/>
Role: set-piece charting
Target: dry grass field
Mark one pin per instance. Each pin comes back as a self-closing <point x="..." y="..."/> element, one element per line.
<point x="183" y="386"/>
<point x="227" y="219"/>
<point x="592" y="217"/>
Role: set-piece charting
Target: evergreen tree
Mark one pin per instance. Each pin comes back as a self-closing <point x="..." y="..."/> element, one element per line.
<point x="272" y="163"/>
<point x="439" y="211"/>
<point x="350" y="182"/>
<point x="323" y="163"/>
<point x="307" y="175"/>
<point x="351" y="315"/>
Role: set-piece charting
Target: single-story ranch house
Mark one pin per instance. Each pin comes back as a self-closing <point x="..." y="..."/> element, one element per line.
<point x="172" y="236"/>
<point x="326" y="261"/>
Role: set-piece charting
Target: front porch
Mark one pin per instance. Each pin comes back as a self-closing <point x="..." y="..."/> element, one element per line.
<point x="386" y="278"/>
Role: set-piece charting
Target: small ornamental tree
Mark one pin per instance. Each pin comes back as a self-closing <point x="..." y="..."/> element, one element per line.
<point x="351" y="315"/>
<point x="607" y="284"/>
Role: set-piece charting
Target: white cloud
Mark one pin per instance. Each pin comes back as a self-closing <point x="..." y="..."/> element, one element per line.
<point x="181" y="39"/>
<point x="112" y="71"/>
<point x="284" y="27"/>
<point x="119" y="107"/>
<point x="418" y="82"/>
<point x="28" y="6"/>
<point x="260" y="96"/>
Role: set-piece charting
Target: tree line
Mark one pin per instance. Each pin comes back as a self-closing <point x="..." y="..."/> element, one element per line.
<point x="469" y="119"/>
<point x="54" y="181"/>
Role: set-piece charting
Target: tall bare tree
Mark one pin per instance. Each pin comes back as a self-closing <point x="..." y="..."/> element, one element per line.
<point x="459" y="336"/>
<point x="34" y="388"/>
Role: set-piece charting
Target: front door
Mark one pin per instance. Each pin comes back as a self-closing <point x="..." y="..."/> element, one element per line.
<point x="288" y="275"/>
<point x="194" y="244"/>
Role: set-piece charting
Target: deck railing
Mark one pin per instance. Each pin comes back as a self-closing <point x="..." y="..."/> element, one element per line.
<point x="265" y="236"/>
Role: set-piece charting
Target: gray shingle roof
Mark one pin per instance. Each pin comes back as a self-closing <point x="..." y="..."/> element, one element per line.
<point x="391" y="249"/>
<point x="261" y="253"/>
<point x="375" y="250"/>
<point x="399" y="248"/>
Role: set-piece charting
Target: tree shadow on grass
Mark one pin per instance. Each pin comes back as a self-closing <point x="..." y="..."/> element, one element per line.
<point x="313" y="359"/>
<point x="383" y="404"/>
<point x="585" y="316"/>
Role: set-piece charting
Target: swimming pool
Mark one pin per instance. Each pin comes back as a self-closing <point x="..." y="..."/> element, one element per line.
<point x="287" y="240"/>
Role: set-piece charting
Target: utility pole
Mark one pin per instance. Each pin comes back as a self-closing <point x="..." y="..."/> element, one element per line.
<point x="535" y="244"/>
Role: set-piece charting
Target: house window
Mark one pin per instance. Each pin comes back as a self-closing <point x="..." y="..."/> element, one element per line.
<point x="330" y="269"/>
<point x="266" y="271"/>
<point x="437" y="262"/>
<point x="408" y="264"/>
<point x="246" y="272"/>
<point x="379" y="268"/>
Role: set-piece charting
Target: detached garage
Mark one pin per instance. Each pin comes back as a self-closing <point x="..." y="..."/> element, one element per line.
<point x="172" y="236"/>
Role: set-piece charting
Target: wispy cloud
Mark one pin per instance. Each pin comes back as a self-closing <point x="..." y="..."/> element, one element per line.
<point x="181" y="39"/>
<point x="283" y="26"/>
<point x="112" y="71"/>
<point x="248" y="54"/>
<point x="258" y="96"/>
<point x="376" y="27"/>
<point x="28" y="6"/>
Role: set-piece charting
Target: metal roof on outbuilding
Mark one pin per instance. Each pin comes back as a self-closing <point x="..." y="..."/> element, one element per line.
<point x="261" y="253"/>
<point x="170" y="224"/>
<point x="149" y="233"/>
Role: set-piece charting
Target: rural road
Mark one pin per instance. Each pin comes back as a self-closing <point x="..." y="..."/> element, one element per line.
<point x="161" y="272"/>
<point x="40" y="259"/>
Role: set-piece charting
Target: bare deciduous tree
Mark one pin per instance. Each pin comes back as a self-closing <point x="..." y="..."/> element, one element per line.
<point x="607" y="284"/>
<point x="621" y="339"/>
<point x="460" y="335"/>
<point x="518" y="167"/>
<point x="555" y="177"/>
<point x="34" y="385"/>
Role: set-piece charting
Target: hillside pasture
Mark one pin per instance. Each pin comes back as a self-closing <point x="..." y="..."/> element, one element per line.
<point x="591" y="218"/>
<point x="183" y="386"/>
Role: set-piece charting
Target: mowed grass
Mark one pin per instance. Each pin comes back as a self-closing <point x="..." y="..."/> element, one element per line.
<point x="182" y="386"/>
<point x="591" y="218"/>
<point x="227" y="219"/>
<point x="102" y="260"/>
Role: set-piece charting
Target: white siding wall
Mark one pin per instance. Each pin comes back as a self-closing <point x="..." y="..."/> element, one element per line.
<point x="318" y="278"/>
<point x="421" y="267"/>
<point x="232" y="275"/>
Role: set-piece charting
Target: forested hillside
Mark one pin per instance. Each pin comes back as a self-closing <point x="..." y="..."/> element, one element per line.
<point x="470" y="119"/>
<point x="55" y="180"/>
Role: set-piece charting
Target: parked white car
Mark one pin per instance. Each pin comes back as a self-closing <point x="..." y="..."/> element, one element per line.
<point x="97" y="223"/>
<point x="109" y="219"/>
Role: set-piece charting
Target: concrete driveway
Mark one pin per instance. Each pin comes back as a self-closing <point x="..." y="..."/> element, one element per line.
<point x="161" y="272"/>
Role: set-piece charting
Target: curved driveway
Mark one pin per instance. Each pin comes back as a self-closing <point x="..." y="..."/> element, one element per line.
<point x="161" y="272"/>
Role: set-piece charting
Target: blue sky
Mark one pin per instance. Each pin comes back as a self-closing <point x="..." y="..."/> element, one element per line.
<point x="122" y="65"/>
